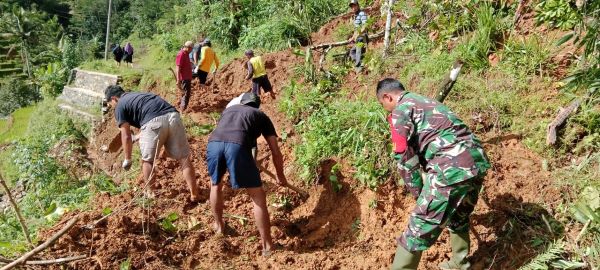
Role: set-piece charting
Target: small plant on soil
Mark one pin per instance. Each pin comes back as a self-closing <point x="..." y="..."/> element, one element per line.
<point x="125" y="265"/>
<point x="168" y="223"/>
<point x="356" y="226"/>
<point x="333" y="178"/>
<point x="283" y="202"/>
<point x="373" y="203"/>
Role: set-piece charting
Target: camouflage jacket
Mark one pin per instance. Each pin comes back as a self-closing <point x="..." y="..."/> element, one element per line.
<point x="436" y="140"/>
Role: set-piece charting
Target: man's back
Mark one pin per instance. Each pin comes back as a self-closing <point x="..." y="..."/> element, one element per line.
<point x="242" y="124"/>
<point x="439" y="137"/>
<point x="139" y="108"/>
<point x="208" y="57"/>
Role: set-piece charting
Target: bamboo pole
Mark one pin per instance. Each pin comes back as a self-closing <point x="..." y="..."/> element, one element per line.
<point x="41" y="247"/>
<point x="17" y="210"/>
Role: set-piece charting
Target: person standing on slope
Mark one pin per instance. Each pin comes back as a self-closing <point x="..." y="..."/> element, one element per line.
<point x="160" y="125"/>
<point x="428" y="136"/>
<point x="258" y="74"/>
<point x="183" y="74"/>
<point x="208" y="57"/>
<point x="360" y="36"/>
<point x="118" y="54"/>
<point x="128" y="54"/>
<point x="229" y="148"/>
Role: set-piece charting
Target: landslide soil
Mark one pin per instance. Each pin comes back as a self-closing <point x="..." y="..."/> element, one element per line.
<point x="351" y="229"/>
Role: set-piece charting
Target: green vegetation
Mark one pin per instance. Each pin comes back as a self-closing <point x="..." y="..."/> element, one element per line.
<point x="35" y="165"/>
<point x="558" y="13"/>
<point x="331" y="126"/>
<point x="16" y="127"/>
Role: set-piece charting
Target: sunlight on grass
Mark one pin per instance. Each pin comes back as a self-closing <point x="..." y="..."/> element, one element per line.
<point x="16" y="129"/>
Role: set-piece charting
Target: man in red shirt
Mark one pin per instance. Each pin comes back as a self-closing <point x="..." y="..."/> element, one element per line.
<point x="183" y="72"/>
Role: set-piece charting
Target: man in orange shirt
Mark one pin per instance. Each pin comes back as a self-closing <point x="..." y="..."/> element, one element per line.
<point x="207" y="58"/>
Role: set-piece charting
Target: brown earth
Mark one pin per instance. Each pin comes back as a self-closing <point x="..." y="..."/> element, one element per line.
<point x="351" y="229"/>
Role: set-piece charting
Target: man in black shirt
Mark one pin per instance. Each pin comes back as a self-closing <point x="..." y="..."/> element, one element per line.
<point x="229" y="148"/>
<point x="159" y="125"/>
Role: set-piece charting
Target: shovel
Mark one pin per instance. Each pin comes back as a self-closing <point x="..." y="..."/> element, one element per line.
<point x="300" y="192"/>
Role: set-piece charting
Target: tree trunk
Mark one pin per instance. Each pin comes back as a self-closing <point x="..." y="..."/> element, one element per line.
<point x="449" y="82"/>
<point x="388" y="26"/>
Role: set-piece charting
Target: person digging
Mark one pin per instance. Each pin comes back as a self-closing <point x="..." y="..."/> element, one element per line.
<point x="160" y="125"/>
<point x="229" y="149"/>
<point x="428" y="135"/>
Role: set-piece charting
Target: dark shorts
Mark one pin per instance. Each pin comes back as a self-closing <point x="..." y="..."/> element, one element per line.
<point x="261" y="82"/>
<point x="237" y="159"/>
<point x="202" y="75"/>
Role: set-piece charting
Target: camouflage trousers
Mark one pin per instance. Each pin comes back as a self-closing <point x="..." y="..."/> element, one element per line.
<point x="440" y="206"/>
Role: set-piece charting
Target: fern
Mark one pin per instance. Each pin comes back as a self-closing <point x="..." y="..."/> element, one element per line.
<point x="541" y="261"/>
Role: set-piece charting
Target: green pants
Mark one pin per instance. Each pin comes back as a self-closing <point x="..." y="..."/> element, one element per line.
<point x="440" y="206"/>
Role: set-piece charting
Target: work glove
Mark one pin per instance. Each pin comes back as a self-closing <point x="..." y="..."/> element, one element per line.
<point x="126" y="164"/>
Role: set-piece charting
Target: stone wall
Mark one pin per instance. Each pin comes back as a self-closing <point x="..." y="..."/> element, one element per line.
<point x="83" y="96"/>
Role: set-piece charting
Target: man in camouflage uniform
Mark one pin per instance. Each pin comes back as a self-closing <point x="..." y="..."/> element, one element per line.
<point x="427" y="135"/>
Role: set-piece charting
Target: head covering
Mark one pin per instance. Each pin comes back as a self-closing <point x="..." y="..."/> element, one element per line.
<point x="250" y="99"/>
<point x="249" y="53"/>
<point x="206" y="41"/>
<point x="353" y="2"/>
<point x="112" y="91"/>
<point x="188" y="44"/>
<point x="129" y="48"/>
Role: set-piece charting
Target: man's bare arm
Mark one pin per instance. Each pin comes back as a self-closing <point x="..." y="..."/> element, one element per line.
<point x="277" y="159"/>
<point x="126" y="140"/>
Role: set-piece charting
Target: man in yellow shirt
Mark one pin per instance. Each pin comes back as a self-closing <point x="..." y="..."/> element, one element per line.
<point x="258" y="73"/>
<point x="207" y="58"/>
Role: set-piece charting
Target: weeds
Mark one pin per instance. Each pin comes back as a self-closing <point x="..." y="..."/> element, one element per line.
<point x="483" y="41"/>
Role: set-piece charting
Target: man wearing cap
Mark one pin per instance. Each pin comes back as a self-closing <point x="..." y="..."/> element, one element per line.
<point x="183" y="73"/>
<point x="258" y="74"/>
<point x="360" y="37"/>
<point x="229" y="149"/>
<point x="159" y="124"/>
<point x="428" y="136"/>
<point x="208" y="57"/>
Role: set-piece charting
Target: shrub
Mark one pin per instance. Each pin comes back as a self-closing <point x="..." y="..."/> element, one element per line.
<point x="354" y="131"/>
<point x="558" y="13"/>
<point x="14" y="94"/>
